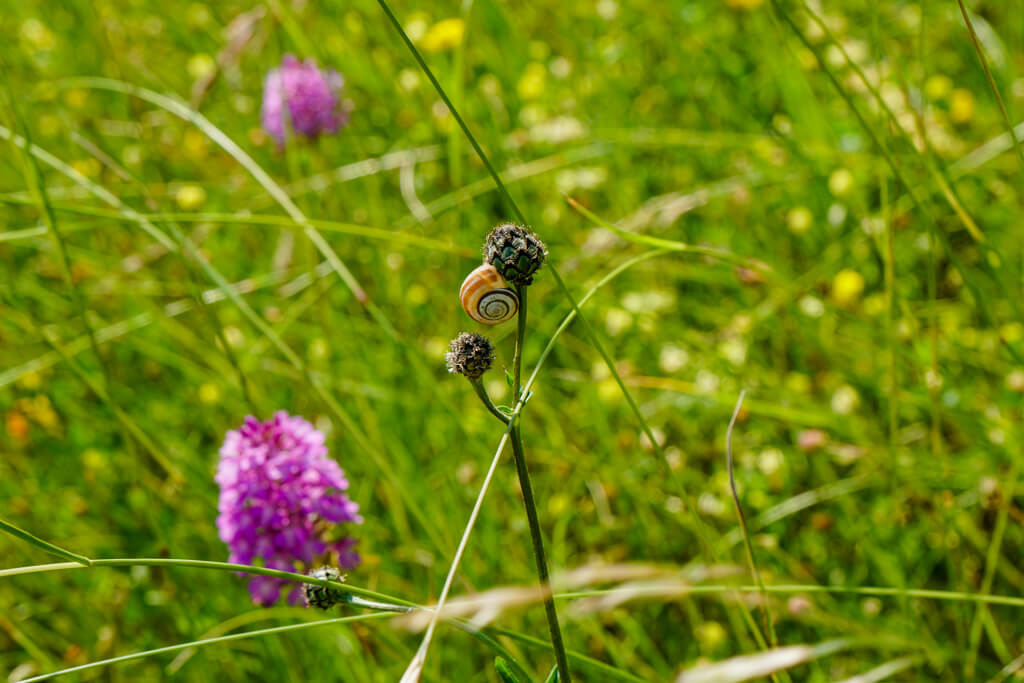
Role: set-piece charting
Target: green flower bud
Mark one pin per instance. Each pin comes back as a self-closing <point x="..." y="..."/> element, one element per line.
<point x="515" y="252"/>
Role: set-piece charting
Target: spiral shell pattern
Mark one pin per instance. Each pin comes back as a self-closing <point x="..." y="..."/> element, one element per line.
<point x="485" y="296"/>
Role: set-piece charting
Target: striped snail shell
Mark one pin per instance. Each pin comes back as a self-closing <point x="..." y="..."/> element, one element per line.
<point x="486" y="297"/>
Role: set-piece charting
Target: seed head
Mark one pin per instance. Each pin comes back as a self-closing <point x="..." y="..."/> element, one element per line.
<point x="471" y="355"/>
<point x="323" y="597"/>
<point x="516" y="252"/>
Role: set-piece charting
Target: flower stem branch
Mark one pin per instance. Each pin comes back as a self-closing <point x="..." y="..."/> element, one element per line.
<point x="478" y="386"/>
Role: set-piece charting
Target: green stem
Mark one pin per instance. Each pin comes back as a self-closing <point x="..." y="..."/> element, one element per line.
<point x="517" y="358"/>
<point x="991" y="80"/>
<point x="769" y="628"/>
<point x="538" y="553"/>
<point x="478" y="386"/>
<point x="519" y="455"/>
<point x="209" y="641"/>
<point x="18" y="532"/>
<point x="207" y="564"/>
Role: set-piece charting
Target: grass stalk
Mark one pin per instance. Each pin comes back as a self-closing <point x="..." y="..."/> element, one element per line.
<point x="206" y="642"/>
<point x="992" y="559"/>
<point x="991" y="81"/>
<point x="536" y="536"/>
<point x="23" y="535"/>
<point x="769" y="627"/>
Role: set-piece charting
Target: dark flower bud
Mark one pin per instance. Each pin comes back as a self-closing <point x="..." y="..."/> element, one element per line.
<point x="323" y="597"/>
<point x="471" y="355"/>
<point x="515" y="252"/>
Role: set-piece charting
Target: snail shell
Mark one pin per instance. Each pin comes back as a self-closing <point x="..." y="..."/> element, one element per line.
<point x="486" y="297"/>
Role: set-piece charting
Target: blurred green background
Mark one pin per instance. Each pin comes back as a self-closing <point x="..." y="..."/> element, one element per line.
<point x="881" y="348"/>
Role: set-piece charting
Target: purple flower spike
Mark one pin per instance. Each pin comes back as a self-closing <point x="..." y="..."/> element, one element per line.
<point x="313" y="96"/>
<point x="279" y="495"/>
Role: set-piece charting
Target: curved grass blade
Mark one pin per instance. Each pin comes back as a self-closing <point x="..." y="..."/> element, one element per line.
<point x="38" y="186"/>
<point x="209" y="641"/>
<point x="93" y="188"/>
<point x="991" y="81"/>
<point x="670" y="245"/>
<point x="577" y="657"/>
<point x="662" y="589"/>
<point x="992" y="559"/>
<point x="20" y="533"/>
<point x="746" y="667"/>
<point x="880" y="673"/>
<point x="769" y="628"/>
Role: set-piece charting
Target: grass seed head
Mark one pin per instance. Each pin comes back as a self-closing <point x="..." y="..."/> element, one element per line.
<point x="471" y="355"/>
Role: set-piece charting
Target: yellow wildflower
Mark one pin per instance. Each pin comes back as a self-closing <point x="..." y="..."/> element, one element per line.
<point x="190" y="197"/>
<point x="446" y="34"/>
<point x="847" y="287"/>
<point x="532" y="84"/>
<point x="799" y="220"/>
<point x="961" y="106"/>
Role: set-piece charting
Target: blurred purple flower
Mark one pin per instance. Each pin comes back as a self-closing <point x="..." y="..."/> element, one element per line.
<point x="279" y="495"/>
<point x="313" y="96"/>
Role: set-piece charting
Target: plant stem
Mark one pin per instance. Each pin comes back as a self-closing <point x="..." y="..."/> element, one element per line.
<point x="530" y="504"/>
<point x="478" y="386"/>
<point x="538" y="553"/>
<point x="769" y="628"/>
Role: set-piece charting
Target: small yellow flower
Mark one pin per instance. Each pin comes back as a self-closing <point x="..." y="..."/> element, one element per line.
<point x="711" y="634"/>
<point x="847" y="287"/>
<point x="200" y="66"/>
<point x="533" y="82"/>
<point x="799" y="220"/>
<point x="446" y="34"/>
<point x="76" y="98"/>
<point x="190" y="197"/>
<point x="209" y="393"/>
<point x="840" y="182"/>
<point x="938" y="87"/>
<point x="608" y="391"/>
<point x="1012" y="332"/>
<point x="744" y="4"/>
<point x="93" y="459"/>
<point x="961" y="106"/>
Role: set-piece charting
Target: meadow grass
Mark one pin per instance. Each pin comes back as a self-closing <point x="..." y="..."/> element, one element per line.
<point x="815" y="207"/>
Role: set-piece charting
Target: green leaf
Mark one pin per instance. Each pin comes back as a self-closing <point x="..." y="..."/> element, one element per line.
<point x="504" y="670"/>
